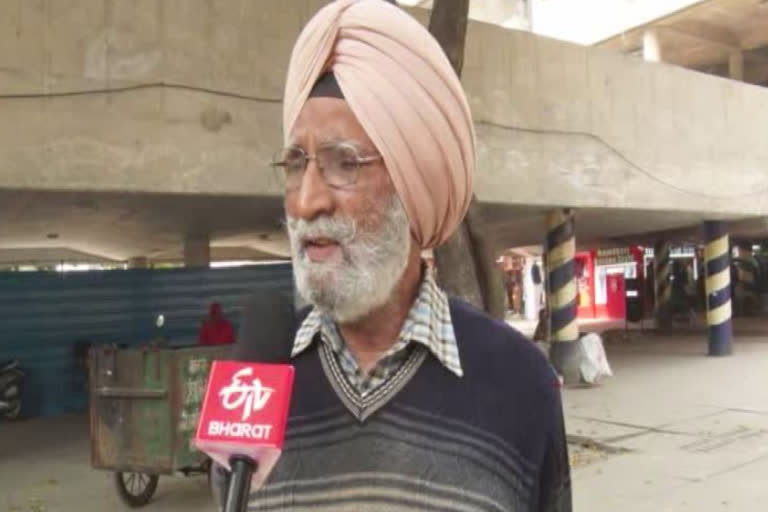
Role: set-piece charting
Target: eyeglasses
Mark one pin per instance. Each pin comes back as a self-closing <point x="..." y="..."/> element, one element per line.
<point x="339" y="164"/>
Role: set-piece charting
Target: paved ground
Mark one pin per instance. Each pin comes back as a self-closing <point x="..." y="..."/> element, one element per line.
<point x="527" y="327"/>
<point x="45" y="467"/>
<point x="696" y="428"/>
<point x="682" y="432"/>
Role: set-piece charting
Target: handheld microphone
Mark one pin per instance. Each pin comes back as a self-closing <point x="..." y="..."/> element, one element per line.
<point x="243" y="418"/>
<point x="242" y="422"/>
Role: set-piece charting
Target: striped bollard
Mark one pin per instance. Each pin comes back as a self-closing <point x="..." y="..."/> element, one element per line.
<point x="565" y="352"/>
<point x="718" y="288"/>
<point x="662" y="271"/>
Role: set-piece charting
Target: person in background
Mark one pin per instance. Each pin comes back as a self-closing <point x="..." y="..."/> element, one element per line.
<point x="216" y="329"/>
<point x="517" y="295"/>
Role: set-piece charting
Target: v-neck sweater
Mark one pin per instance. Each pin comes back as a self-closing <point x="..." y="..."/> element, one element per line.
<point x="490" y="441"/>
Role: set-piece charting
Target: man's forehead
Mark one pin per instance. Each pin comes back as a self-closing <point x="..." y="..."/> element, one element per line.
<point x="318" y="136"/>
<point x="322" y="139"/>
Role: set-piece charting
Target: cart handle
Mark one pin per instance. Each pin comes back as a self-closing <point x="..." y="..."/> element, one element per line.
<point x="107" y="392"/>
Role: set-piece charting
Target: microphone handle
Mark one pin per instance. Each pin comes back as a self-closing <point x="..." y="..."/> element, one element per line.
<point x="239" y="483"/>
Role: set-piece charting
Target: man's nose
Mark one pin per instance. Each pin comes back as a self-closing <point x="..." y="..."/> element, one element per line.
<point x="314" y="197"/>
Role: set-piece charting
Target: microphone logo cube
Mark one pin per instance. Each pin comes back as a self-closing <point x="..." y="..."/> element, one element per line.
<point x="245" y="393"/>
<point x="245" y="410"/>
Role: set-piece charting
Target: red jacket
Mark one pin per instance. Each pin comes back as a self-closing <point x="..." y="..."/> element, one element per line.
<point x="216" y="329"/>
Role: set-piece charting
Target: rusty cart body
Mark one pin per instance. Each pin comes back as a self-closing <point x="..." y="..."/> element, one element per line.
<point x="144" y="406"/>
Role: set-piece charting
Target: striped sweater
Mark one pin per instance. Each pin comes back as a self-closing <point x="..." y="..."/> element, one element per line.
<point x="490" y="441"/>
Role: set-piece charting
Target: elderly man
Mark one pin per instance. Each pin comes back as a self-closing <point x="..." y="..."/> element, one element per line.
<point x="405" y="400"/>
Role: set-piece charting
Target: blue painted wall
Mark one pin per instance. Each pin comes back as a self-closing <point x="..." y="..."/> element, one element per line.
<point x="43" y="316"/>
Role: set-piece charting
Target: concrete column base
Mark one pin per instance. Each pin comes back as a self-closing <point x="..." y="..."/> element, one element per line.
<point x="720" y="338"/>
<point x="566" y="358"/>
<point x="197" y="251"/>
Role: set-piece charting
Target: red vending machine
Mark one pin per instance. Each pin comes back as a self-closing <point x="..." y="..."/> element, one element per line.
<point x="616" y="293"/>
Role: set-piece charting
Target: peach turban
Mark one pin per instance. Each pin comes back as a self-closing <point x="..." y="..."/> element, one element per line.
<point x="405" y="94"/>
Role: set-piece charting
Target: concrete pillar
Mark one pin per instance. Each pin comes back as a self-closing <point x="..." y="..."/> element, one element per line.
<point x="736" y="66"/>
<point x="138" y="262"/>
<point x="197" y="251"/>
<point x="652" y="49"/>
<point x="718" y="287"/>
<point x="565" y="352"/>
<point x="662" y="286"/>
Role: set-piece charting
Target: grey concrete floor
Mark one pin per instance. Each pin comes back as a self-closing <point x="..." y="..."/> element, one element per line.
<point x="695" y="427"/>
<point x="45" y="467"/>
<point x="692" y="432"/>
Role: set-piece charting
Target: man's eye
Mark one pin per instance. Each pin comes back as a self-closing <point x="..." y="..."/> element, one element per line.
<point x="345" y="158"/>
<point x="348" y="164"/>
<point x="294" y="165"/>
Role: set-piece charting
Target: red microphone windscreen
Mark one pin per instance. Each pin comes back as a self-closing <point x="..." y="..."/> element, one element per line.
<point x="245" y="413"/>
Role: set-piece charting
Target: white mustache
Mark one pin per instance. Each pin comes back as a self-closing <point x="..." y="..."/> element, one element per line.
<point x="339" y="229"/>
<point x="373" y="259"/>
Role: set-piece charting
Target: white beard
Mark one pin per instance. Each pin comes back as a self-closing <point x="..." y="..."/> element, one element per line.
<point x="372" y="262"/>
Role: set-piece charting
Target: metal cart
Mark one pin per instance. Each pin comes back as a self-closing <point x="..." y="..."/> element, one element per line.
<point x="144" y="406"/>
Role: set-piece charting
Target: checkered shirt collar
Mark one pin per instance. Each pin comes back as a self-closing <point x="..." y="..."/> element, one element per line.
<point x="428" y="323"/>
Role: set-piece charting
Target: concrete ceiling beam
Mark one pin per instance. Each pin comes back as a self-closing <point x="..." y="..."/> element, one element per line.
<point x="751" y="228"/>
<point x="688" y="47"/>
<point x="705" y="32"/>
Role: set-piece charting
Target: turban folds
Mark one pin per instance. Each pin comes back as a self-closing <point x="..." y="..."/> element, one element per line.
<point x="401" y="87"/>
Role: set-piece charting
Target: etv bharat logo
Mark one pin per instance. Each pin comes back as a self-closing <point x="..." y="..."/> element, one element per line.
<point x="251" y="397"/>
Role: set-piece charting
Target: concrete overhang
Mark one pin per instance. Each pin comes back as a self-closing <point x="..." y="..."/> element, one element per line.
<point x="47" y="256"/>
<point x="703" y="34"/>
<point x="169" y="132"/>
<point x="86" y="226"/>
<point x="750" y="230"/>
<point x="52" y="227"/>
<point x="606" y="227"/>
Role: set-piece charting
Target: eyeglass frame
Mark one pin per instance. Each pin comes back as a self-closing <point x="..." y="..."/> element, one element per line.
<point x="360" y="161"/>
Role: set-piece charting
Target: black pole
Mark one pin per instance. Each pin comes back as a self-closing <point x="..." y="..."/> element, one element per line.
<point x="239" y="484"/>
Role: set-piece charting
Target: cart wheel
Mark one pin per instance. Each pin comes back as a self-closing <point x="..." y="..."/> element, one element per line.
<point x="135" y="489"/>
<point x="14" y="412"/>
